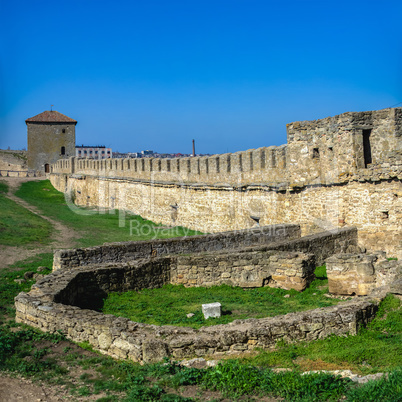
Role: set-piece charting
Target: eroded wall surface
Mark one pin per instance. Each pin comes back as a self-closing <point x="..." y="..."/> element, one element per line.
<point x="339" y="171"/>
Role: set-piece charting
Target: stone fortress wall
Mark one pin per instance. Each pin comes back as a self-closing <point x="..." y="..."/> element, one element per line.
<point x="12" y="160"/>
<point x="342" y="170"/>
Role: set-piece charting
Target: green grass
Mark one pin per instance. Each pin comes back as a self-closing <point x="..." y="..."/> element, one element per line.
<point x="9" y="288"/>
<point x="376" y="348"/>
<point x="28" y="352"/>
<point x="234" y="380"/>
<point x="94" y="228"/>
<point x="18" y="226"/>
<point x="170" y="304"/>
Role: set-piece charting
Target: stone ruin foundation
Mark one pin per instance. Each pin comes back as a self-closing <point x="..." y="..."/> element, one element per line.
<point x="360" y="274"/>
<point x="70" y="298"/>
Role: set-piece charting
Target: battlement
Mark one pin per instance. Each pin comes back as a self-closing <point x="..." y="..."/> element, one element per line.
<point x="254" y="165"/>
<point x="322" y="151"/>
<point x="337" y="171"/>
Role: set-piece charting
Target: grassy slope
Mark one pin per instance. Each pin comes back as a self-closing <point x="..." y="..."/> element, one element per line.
<point x="95" y="228"/>
<point x="18" y="226"/>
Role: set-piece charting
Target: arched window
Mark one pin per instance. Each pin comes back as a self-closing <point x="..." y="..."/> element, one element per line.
<point x="63" y="151"/>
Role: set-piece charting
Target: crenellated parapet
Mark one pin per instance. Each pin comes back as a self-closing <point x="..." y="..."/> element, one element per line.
<point x="254" y="165"/>
<point x="325" y="151"/>
<point x="334" y="172"/>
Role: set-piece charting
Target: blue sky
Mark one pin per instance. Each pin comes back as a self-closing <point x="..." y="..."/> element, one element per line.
<point x="154" y="74"/>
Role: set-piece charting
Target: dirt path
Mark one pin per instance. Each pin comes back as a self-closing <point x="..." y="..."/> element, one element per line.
<point x="17" y="389"/>
<point x="62" y="236"/>
<point x="21" y="389"/>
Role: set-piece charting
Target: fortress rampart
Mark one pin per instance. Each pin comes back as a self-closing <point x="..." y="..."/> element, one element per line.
<point x="342" y="170"/>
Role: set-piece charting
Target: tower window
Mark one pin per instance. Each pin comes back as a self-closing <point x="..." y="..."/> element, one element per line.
<point x="63" y="130"/>
<point x="63" y="151"/>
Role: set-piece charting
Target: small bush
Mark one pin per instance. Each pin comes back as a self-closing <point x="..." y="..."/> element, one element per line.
<point x="144" y="393"/>
<point x="233" y="379"/>
<point x="187" y="376"/>
<point x="312" y="387"/>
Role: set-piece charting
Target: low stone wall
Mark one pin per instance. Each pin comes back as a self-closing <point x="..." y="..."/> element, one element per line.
<point x="130" y="251"/>
<point x="275" y="237"/>
<point x="321" y="245"/>
<point x="66" y="300"/>
<point x="286" y="270"/>
<point x="360" y="274"/>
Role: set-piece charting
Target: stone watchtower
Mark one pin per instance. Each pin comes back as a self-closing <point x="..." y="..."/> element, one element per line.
<point x="51" y="136"/>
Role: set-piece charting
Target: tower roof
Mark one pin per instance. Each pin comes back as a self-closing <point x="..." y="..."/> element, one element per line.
<point x="50" y="116"/>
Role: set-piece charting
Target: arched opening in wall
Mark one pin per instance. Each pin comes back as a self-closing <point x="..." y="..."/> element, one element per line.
<point x="367" y="147"/>
<point x="63" y="151"/>
<point x="47" y="168"/>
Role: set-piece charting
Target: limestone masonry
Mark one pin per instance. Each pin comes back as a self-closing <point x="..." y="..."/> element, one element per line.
<point x="339" y="171"/>
<point x="360" y="274"/>
<point x="70" y="298"/>
<point x="339" y="176"/>
<point x="342" y="170"/>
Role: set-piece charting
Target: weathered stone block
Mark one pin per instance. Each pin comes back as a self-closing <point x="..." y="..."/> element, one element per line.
<point x="154" y="351"/>
<point x="212" y="310"/>
<point x="360" y="273"/>
<point x="104" y="340"/>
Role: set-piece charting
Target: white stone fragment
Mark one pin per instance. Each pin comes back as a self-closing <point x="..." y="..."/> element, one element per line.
<point x="212" y="310"/>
